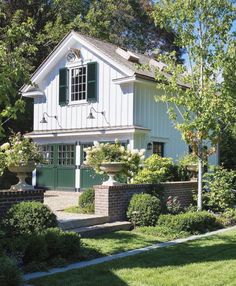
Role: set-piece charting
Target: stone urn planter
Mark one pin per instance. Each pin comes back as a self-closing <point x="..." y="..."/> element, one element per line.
<point x="21" y="173"/>
<point x="193" y="170"/>
<point x="111" y="169"/>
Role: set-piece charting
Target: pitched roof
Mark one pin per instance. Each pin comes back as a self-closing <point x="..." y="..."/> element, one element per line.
<point x="110" y="50"/>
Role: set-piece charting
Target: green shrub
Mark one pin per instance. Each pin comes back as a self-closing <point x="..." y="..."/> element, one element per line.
<point x="62" y="244"/>
<point x="86" y="200"/>
<point x="173" y="205"/>
<point x="155" y="169"/>
<point x="36" y="249"/>
<point x="50" y="244"/>
<point x="10" y="275"/>
<point x="228" y="217"/>
<point x="192" y="222"/>
<point x="27" y="218"/>
<point x="144" y="209"/>
<point x="218" y="192"/>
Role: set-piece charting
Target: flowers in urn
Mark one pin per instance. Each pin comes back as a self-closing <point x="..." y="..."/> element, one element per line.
<point x="129" y="161"/>
<point x="19" y="155"/>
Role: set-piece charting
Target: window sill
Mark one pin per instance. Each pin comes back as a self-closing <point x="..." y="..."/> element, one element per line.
<point x="79" y="102"/>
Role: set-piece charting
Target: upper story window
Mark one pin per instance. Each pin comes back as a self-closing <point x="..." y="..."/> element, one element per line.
<point x="78" y="84"/>
<point x="158" y="148"/>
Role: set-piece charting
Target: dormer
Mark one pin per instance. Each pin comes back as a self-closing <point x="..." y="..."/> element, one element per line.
<point x="129" y="56"/>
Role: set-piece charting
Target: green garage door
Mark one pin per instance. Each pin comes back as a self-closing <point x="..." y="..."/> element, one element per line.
<point x="59" y="172"/>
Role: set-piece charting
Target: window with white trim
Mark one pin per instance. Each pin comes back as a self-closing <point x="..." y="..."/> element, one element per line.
<point x="78" y="83"/>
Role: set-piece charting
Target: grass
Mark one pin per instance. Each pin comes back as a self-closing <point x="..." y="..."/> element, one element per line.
<point x="209" y="261"/>
<point x="78" y="210"/>
<point x="120" y="241"/>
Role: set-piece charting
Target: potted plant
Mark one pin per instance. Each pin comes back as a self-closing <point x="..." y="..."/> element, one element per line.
<point x="114" y="159"/>
<point x="190" y="163"/>
<point x="20" y="155"/>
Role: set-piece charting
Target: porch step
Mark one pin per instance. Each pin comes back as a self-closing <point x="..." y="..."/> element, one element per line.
<point x="93" y="230"/>
<point x="75" y="222"/>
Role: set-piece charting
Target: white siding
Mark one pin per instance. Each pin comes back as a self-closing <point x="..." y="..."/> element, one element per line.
<point x="153" y="115"/>
<point x="114" y="100"/>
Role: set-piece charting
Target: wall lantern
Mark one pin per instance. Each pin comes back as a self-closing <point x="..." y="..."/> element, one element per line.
<point x="44" y="120"/>
<point x="149" y="146"/>
<point x="91" y="116"/>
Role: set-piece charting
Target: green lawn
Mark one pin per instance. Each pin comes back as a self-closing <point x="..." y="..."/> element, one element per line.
<point x="121" y="241"/>
<point x="206" y="262"/>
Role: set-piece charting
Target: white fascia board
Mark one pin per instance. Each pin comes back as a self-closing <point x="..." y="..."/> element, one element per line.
<point x="65" y="46"/>
<point x="87" y="133"/>
<point x="132" y="79"/>
<point x="33" y="94"/>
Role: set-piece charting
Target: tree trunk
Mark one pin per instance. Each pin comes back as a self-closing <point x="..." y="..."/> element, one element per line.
<point x="199" y="197"/>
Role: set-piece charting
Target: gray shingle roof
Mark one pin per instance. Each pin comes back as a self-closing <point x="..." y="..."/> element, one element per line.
<point x="110" y="50"/>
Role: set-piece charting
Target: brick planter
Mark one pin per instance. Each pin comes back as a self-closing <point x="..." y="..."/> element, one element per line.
<point x="112" y="201"/>
<point x="9" y="198"/>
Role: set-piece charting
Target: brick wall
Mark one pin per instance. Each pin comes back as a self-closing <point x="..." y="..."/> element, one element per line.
<point x="112" y="201"/>
<point x="9" y="198"/>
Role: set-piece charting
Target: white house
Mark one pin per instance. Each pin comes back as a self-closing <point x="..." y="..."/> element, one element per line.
<point x="88" y="90"/>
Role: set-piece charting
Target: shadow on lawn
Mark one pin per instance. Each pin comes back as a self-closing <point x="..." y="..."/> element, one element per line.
<point x="179" y="255"/>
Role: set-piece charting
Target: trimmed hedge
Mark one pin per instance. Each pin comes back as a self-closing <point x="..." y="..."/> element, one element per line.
<point x="144" y="210"/>
<point x="192" y="222"/>
<point x="50" y="244"/>
<point x="10" y="275"/>
<point x="86" y="200"/>
<point x="28" y="218"/>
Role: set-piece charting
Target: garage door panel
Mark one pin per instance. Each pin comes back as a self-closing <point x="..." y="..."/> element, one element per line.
<point x="46" y="177"/>
<point x="66" y="177"/>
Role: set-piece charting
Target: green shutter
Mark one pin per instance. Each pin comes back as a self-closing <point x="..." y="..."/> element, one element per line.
<point x="92" y="82"/>
<point x="63" y="86"/>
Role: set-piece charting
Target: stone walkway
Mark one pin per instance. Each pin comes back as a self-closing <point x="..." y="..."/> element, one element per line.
<point x="96" y="261"/>
<point x="57" y="201"/>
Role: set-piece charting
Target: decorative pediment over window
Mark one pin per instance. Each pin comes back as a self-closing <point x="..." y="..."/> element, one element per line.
<point x="73" y="55"/>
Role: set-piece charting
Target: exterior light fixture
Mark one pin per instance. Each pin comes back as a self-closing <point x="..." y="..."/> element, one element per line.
<point x="149" y="146"/>
<point x="91" y="116"/>
<point x="44" y="121"/>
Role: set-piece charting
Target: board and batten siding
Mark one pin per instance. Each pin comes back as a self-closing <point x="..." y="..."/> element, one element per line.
<point x="116" y="101"/>
<point x="153" y="115"/>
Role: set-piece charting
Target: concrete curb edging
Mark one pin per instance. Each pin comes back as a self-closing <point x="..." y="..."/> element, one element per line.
<point x="96" y="261"/>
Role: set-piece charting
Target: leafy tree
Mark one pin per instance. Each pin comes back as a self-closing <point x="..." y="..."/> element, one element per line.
<point x="15" y="44"/>
<point x="127" y="23"/>
<point x="201" y="97"/>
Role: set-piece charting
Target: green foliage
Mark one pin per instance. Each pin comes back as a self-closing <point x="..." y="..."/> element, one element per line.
<point x="192" y="222"/>
<point x="42" y="247"/>
<point x="228" y="148"/>
<point x="16" y="42"/>
<point x="50" y="244"/>
<point x="205" y="105"/>
<point x="86" y="200"/>
<point x="155" y="169"/>
<point x="173" y="205"/>
<point x="219" y="188"/>
<point x="228" y="217"/>
<point x="10" y="275"/>
<point x="144" y="210"/>
<point x="27" y="218"/>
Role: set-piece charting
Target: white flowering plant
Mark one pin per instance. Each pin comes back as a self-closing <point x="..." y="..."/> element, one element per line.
<point x="115" y="152"/>
<point x="19" y="151"/>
